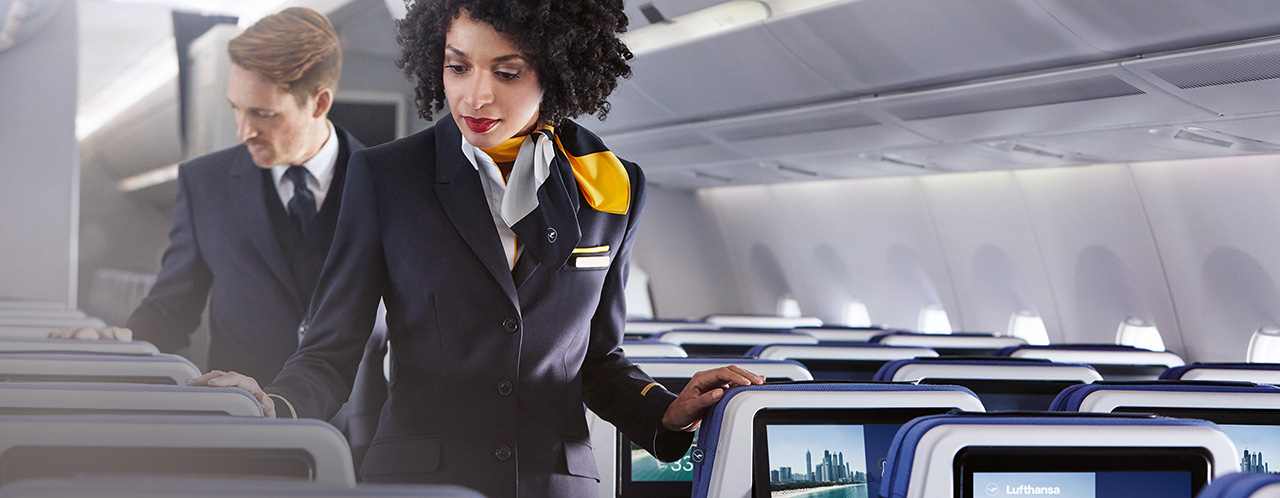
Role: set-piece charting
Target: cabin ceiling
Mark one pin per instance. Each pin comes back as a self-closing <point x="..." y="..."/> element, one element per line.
<point x="863" y="88"/>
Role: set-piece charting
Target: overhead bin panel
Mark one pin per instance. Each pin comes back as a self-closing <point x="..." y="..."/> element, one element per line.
<point x="737" y="72"/>
<point x="667" y="8"/>
<point x="950" y="158"/>
<point x="1260" y="131"/>
<point x="850" y="165"/>
<point x="629" y="109"/>
<point x="814" y="129"/>
<point x="669" y="147"/>
<point x="873" y="45"/>
<point x="1242" y="79"/>
<point x="1133" y="27"/>
<point x="1080" y="99"/>
<point x="1134" y="144"/>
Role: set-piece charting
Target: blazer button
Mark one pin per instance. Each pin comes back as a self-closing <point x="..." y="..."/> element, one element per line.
<point x="510" y="325"/>
<point x="503" y="453"/>
<point x="504" y="388"/>
<point x="302" y="329"/>
<point x="551" y="235"/>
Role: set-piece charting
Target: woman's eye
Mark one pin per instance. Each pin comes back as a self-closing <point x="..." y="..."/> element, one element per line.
<point x="507" y="76"/>
<point x="456" y="68"/>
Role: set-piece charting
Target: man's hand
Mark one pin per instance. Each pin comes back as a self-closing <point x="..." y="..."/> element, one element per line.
<point x="704" y="389"/>
<point x="218" y="378"/>
<point x="92" y="333"/>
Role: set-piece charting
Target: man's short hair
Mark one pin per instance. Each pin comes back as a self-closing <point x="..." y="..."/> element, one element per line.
<point x="296" y="48"/>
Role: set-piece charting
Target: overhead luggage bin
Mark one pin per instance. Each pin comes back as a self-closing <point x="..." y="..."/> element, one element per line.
<point x="172" y="445"/>
<point x="1262" y="373"/>
<point x="64" y="398"/>
<point x="66" y="367"/>
<point x="762" y="321"/>
<point x="745" y="436"/>
<point x="151" y="487"/>
<point x="998" y="454"/>
<point x="40" y="345"/>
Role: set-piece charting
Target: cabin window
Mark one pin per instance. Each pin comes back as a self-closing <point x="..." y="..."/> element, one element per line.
<point x="639" y="300"/>
<point x="856" y="315"/>
<point x="789" y="307"/>
<point x="933" y="320"/>
<point x="1139" y="333"/>
<point x="1027" y="325"/>
<point x="1264" y="347"/>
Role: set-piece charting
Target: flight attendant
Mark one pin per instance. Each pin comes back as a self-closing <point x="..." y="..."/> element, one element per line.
<point x="500" y="240"/>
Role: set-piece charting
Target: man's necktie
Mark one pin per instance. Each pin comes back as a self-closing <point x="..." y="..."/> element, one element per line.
<point x="302" y="207"/>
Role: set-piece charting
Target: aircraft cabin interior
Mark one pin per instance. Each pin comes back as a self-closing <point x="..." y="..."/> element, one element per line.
<point x="977" y="248"/>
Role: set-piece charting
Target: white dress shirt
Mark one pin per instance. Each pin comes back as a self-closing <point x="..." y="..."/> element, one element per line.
<point x="319" y="168"/>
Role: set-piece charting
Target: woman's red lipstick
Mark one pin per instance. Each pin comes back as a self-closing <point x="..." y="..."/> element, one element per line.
<point x="480" y="125"/>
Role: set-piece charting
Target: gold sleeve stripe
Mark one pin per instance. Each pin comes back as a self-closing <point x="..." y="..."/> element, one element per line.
<point x="591" y="250"/>
<point x="648" y="387"/>
<point x="292" y="412"/>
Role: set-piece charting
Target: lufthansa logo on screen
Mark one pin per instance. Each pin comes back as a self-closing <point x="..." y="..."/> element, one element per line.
<point x="1024" y="489"/>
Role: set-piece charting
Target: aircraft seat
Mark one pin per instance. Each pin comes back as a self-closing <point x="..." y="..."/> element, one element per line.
<point x="1243" y="485"/>
<point x="645" y="328"/>
<point x="829" y="333"/>
<point x="1001" y="383"/>
<point x="761" y="321"/>
<point x="648" y="348"/>
<point x="931" y="456"/>
<point x="114" y="487"/>
<point x="1109" y="397"/>
<point x="45" y="345"/>
<point x="950" y="344"/>
<point x="173" y="445"/>
<point x="731" y="342"/>
<point x="1114" y="362"/>
<point x="734" y="443"/>
<point x="1262" y="373"/>
<point x="64" y="367"/>
<point x="53" y="398"/>
<point x="858" y="362"/>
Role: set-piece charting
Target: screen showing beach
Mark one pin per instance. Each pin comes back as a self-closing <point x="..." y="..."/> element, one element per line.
<point x="646" y="468"/>
<point x="827" y="461"/>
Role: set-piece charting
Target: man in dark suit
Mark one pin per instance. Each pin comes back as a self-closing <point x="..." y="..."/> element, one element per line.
<point x="252" y="224"/>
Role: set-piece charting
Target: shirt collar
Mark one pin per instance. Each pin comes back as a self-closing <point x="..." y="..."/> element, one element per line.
<point x="321" y="165"/>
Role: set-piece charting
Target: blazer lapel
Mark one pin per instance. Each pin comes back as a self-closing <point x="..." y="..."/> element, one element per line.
<point x="246" y="182"/>
<point x="457" y="185"/>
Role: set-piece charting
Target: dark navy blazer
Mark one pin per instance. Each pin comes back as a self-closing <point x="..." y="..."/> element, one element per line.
<point x="490" y="366"/>
<point x="223" y="247"/>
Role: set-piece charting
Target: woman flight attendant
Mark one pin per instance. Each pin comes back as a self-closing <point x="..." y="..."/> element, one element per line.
<point x="500" y="240"/>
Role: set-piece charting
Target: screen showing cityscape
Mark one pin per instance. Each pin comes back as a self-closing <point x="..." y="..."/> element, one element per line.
<point x="1251" y="429"/>
<point x="827" y="461"/>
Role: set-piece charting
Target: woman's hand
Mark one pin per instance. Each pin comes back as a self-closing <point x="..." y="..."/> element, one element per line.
<point x="705" y="389"/>
<point x="218" y="378"/>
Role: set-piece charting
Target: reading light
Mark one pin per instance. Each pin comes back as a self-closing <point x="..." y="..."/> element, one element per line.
<point x="1030" y="327"/>
<point x="933" y="320"/>
<point x="1264" y="346"/>
<point x="1139" y="333"/>
<point x="695" y="25"/>
<point x="856" y="315"/>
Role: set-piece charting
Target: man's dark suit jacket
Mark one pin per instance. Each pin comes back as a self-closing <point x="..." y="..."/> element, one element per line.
<point x="225" y="246"/>
<point x="490" y="366"/>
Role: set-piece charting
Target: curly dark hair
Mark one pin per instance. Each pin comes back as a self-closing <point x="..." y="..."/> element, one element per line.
<point x="574" y="45"/>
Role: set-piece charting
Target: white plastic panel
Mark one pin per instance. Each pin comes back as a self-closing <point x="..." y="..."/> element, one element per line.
<point x="29" y="345"/>
<point x="1096" y="248"/>
<point x="55" y="397"/>
<point x="952" y="341"/>
<point x="1079" y="99"/>
<point x="656" y="326"/>
<point x="681" y="337"/>
<point x="762" y="322"/>
<point x="1132" y="144"/>
<point x="841" y="335"/>
<point x="842" y="126"/>
<point x="871" y="45"/>
<point x="1144" y="26"/>
<point x="788" y="352"/>
<point x="1238" y="375"/>
<point x="686" y="369"/>
<point x="1107" y="400"/>
<point x="669" y="147"/>
<point x="1215" y="224"/>
<point x="944" y="370"/>
<point x="991" y="249"/>
<point x="739" y="71"/>
<point x="1136" y="357"/>
<point x="633" y="350"/>
<point x="172" y="369"/>
<point x="825" y="243"/>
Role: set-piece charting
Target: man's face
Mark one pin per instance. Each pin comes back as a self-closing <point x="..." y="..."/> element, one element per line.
<point x="270" y="121"/>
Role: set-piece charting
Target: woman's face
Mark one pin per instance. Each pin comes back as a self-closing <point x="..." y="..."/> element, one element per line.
<point x="492" y="89"/>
